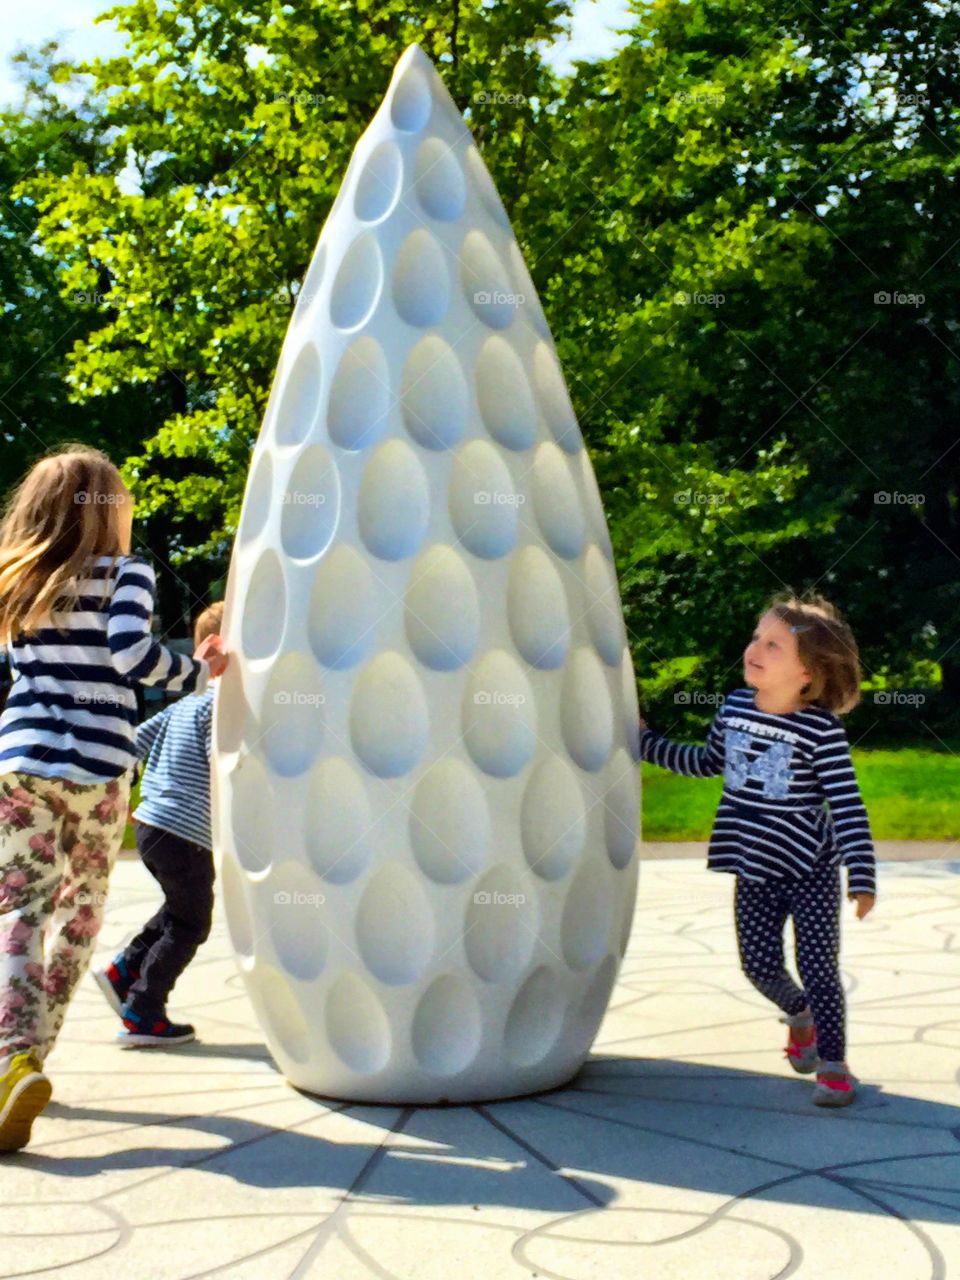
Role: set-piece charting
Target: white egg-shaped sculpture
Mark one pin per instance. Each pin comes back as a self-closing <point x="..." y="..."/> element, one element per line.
<point x="426" y="788"/>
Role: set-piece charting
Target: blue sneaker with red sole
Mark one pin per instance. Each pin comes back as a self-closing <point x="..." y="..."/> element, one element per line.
<point x="147" y="1032"/>
<point x="115" y="982"/>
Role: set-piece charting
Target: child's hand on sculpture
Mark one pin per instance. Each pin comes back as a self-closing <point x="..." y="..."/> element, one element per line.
<point x="210" y="650"/>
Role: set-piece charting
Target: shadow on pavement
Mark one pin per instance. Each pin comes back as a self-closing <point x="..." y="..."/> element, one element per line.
<point x="714" y="1129"/>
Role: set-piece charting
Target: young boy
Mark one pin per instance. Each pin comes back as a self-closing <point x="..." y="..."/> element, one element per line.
<point x="172" y="824"/>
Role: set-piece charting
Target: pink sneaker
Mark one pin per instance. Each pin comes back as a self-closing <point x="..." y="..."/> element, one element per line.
<point x="803" y="1057"/>
<point x="834" y="1093"/>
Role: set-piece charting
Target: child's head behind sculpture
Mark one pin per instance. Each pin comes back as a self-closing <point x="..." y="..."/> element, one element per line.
<point x="208" y="623"/>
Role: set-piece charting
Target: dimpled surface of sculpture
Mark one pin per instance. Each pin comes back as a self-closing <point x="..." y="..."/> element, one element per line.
<point x="426" y="791"/>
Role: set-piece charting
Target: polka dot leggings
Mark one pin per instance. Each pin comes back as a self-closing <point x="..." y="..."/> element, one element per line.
<point x="814" y="903"/>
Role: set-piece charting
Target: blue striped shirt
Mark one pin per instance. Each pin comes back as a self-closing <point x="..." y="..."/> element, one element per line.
<point x="175" y="788"/>
<point x="790" y="798"/>
<point x="72" y="709"/>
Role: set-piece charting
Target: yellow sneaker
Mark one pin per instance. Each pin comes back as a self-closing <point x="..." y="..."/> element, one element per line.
<point x="24" y="1092"/>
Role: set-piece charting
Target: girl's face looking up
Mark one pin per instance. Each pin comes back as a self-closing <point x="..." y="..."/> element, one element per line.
<point x="771" y="662"/>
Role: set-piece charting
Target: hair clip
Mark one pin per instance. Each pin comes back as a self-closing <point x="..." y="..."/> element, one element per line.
<point x="802" y="626"/>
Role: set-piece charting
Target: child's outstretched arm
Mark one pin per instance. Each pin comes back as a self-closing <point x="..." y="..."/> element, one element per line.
<point x="686" y="758"/>
<point x="834" y="768"/>
<point x="136" y="654"/>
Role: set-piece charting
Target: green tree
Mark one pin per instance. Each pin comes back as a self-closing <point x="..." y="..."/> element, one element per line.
<point x="46" y="318"/>
<point x="238" y="121"/>
<point x="39" y="323"/>
<point x="708" y="216"/>
<point x="676" y="265"/>
<point x="796" y="163"/>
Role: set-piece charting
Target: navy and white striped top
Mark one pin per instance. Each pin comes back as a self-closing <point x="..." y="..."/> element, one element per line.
<point x="778" y="772"/>
<point x="175" y="788"/>
<point x="72" y="709"/>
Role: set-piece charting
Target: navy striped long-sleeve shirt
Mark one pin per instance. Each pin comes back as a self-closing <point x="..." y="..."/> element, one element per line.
<point x="790" y="797"/>
<point x="72" y="709"/>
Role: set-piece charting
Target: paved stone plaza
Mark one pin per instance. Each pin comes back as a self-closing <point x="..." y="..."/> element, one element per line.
<point x="683" y="1151"/>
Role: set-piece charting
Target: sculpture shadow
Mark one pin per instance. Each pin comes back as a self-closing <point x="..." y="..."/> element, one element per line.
<point x="730" y="1132"/>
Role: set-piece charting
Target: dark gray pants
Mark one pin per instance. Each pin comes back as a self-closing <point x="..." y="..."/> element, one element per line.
<point x="169" y="940"/>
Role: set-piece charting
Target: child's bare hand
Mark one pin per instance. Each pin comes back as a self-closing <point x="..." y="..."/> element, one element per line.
<point x="210" y="650"/>
<point x="865" y="903"/>
<point x="643" y="725"/>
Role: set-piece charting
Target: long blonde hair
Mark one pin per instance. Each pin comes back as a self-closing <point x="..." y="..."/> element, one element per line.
<point x="64" y="511"/>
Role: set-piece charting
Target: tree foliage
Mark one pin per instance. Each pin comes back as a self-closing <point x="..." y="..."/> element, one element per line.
<point x="711" y="217"/>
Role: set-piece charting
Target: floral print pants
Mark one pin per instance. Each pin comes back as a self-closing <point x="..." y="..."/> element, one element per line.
<point x="58" y="842"/>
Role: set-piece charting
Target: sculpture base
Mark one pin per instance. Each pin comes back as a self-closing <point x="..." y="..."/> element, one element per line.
<point x="438" y="1095"/>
